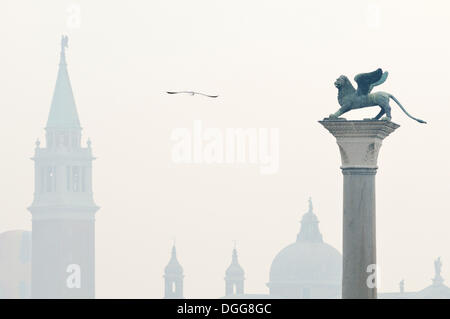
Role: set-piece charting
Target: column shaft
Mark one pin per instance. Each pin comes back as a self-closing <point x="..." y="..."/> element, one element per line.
<point x="359" y="236"/>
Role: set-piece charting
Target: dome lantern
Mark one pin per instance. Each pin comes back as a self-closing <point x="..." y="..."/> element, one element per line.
<point x="309" y="230"/>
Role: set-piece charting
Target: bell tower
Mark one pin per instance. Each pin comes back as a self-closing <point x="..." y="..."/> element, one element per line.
<point x="63" y="209"/>
<point x="234" y="277"/>
<point x="173" y="278"/>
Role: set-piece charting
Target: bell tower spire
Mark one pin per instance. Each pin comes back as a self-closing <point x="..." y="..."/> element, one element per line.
<point x="63" y="125"/>
<point x="173" y="277"/>
<point x="63" y="208"/>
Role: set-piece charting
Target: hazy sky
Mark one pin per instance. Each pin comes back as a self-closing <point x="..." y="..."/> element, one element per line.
<point x="273" y="63"/>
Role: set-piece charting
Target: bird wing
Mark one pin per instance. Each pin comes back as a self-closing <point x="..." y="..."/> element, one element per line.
<point x="178" y="92"/>
<point x="213" y="96"/>
<point x="191" y="92"/>
<point x="366" y="80"/>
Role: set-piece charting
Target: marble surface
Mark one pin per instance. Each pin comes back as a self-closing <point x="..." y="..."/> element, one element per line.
<point x="359" y="141"/>
<point x="359" y="144"/>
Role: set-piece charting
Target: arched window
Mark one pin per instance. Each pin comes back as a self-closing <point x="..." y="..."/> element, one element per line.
<point x="76" y="178"/>
<point x="42" y="180"/>
<point x="66" y="140"/>
<point x="50" y="179"/>
<point x="68" y="178"/>
<point x="83" y="179"/>
<point x="74" y="140"/>
<point x="49" y="140"/>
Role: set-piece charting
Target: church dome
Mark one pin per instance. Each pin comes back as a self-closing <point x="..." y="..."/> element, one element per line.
<point x="305" y="262"/>
<point x="308" y="263"/>
<point x="15" y="264"/>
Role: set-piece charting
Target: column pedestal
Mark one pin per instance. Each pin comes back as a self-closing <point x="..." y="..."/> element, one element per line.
<point x="359" y="144"/>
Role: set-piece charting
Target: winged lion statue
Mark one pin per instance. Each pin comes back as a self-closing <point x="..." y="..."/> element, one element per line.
<point x="351" y="99"/>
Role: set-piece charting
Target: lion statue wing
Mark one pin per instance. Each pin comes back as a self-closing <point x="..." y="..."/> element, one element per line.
<point x="380" y="81"/>
<point x="367" y="81"/>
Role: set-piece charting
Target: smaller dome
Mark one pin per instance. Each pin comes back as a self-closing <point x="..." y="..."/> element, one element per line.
<point x="173" y="267"/>
<point x="234" y="270"/>
<point x="15" y="264"/>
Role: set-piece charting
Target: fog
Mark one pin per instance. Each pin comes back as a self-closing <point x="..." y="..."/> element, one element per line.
<point x="273" y="64"/>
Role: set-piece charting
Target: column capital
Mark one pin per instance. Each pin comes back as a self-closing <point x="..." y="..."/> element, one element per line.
<point x="359" y="141"/>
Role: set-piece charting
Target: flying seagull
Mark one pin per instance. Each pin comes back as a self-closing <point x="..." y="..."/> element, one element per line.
<point x="192" y="93"/>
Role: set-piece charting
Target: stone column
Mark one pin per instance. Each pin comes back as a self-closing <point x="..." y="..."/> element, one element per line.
<point x="359" y="143"/>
